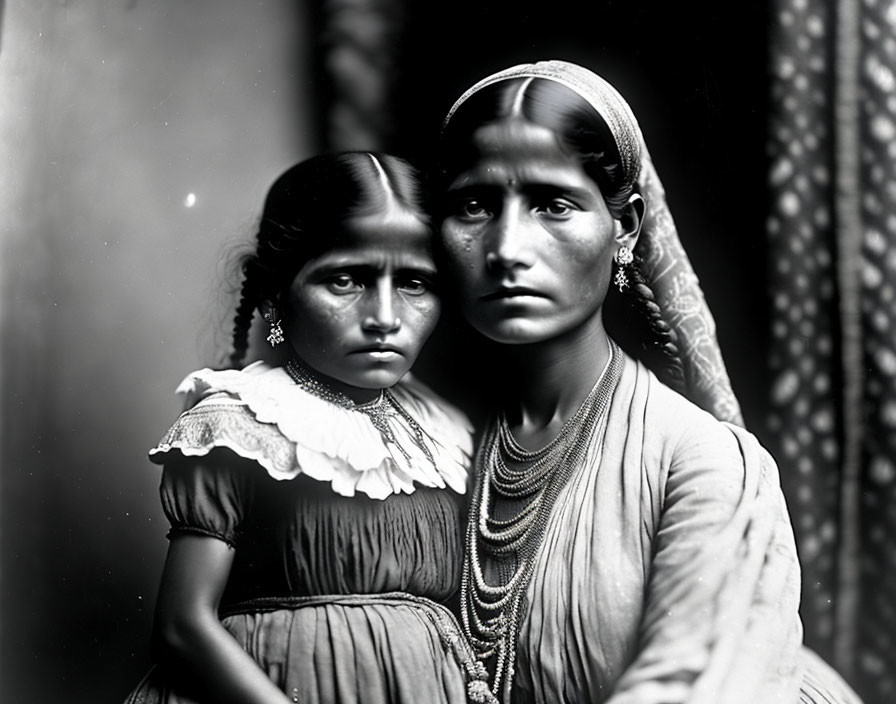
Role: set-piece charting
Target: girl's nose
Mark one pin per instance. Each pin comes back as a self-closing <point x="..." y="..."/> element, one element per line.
<point x="382" y="317"/>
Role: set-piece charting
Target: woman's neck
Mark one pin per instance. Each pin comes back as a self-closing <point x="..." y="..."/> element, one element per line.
<point x="548" y="381"/>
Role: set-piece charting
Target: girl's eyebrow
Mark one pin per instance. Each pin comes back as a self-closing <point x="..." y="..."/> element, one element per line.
<point x="349" y="266"/>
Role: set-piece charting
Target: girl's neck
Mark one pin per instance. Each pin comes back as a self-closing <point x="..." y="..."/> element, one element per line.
<point x="326" y="387"/>
<point x="548" y="381"/>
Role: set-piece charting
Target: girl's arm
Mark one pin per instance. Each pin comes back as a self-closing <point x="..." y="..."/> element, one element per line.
<point x="188" y="638"/>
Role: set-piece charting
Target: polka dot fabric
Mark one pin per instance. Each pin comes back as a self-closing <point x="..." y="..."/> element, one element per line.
<point x="832" y="249"/>
<point x="803" y="349"/>
<point x="877" y="636"/>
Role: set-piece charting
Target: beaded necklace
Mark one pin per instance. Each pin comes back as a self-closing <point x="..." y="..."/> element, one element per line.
<point x="381" y="410"/>
<point x="533" y="480"/>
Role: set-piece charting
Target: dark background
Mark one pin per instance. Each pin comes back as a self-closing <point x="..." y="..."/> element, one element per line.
<point x="695" y="75"/>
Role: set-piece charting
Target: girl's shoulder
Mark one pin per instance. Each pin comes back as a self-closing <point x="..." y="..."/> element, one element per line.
<point x="440" y="416"/>
<point x="219" y="412"/>
<point x="413" y="438"/>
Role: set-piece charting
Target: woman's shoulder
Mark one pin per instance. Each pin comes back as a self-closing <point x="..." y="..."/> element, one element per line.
<point x="679" y="430"/>
<point x="673" y="419"/>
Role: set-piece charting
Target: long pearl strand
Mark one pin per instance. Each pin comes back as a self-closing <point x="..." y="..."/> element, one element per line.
<point x="491" y="612"/>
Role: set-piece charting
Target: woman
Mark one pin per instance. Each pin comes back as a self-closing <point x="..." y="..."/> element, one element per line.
<point x="315" y="503"/>
<point x="624" y="544"/>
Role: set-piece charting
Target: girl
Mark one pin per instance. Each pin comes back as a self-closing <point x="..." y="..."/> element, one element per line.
<point x="315" y="503"/>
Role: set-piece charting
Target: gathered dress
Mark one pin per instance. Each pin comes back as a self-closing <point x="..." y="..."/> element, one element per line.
<point x="667" y="570"/>
<point x="346" y="528"/>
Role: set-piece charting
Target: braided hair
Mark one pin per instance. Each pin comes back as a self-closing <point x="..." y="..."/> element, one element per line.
<point x="632" y="317"/>
<point x="635" y="321"/>
<point x="305" y="214"/>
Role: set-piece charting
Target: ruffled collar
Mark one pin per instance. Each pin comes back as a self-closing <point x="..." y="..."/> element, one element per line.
<point x="416" y="438"/>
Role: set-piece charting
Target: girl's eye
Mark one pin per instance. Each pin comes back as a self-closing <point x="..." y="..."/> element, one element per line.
<point x="413" y="286"/>
<point x="342" y="283"/>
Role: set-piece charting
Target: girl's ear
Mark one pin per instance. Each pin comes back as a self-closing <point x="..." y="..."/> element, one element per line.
<point x="631" y="221"/>
<point x="270" y="311"/>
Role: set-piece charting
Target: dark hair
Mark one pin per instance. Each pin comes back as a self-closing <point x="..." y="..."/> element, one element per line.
<point x="306" y="212"/>
<point x="633" y="318"/>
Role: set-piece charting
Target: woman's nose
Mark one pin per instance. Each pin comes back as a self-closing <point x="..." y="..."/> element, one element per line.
<point x="508" y="243"/>
<point x="381" y="316"/>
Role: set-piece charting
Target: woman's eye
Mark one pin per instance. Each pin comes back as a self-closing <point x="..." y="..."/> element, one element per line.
<point x="474" y="209"/>
<point x="556" y="208"/>
<point x="342" y="283"/>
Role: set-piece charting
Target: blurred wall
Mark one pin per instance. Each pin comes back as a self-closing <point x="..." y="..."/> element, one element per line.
<point x="138" y="139"/>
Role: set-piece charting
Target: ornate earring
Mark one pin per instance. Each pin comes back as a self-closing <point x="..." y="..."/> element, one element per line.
<point x="275" y="337"/>
<point x="623" y="259"/>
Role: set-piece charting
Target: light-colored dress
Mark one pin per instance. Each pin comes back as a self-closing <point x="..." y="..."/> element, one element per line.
<point x="668" y="571"/>
<point x="346" y="529"/>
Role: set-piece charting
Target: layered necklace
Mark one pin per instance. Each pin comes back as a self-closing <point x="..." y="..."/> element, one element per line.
<point x="381" y="410"/>
<point x="530" y="482"/>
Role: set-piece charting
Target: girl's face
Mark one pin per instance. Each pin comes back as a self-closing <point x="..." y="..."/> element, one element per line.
<point x="360" y="313"/>
<point x="528" y="235"/>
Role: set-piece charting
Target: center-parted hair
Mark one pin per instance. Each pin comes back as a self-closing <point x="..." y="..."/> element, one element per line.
<point x="308" y="211"/>
<point x="633" y="317"/>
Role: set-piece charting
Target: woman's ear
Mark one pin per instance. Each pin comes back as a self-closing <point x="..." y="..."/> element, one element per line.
<point x="631" y="221"/>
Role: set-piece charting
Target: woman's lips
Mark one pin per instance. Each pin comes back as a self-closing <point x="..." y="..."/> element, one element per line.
<point x="512" y="292"/>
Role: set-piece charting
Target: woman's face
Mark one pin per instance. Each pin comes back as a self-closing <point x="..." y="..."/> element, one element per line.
<point x="360" y="313"/>
<point x="528" y="235"/>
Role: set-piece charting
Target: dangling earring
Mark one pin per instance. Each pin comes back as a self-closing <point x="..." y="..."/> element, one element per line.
<point x="275" y="337"/>
<point x="623" y="259"/>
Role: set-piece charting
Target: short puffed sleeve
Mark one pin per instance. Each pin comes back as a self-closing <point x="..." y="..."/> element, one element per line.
<point x="207" y="495"/>
<point x="210" y="455"/>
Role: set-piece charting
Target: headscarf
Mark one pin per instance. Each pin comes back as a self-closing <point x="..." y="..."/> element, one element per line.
<point x="666" y="266"/>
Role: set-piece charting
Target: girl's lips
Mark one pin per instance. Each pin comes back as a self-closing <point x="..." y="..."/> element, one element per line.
<point x="380" y="352"/>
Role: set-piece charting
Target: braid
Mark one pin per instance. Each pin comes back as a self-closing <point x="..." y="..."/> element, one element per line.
<point x="636" y="322"/>
<point x="242" y="319"/>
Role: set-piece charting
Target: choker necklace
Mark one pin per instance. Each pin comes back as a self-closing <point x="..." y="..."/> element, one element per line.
<point x="311" y="382"/>
<point x="530" y="482"/>
<point x="381" y="410"/>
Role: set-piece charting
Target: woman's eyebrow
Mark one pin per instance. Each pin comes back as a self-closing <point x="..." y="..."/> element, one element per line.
<point x="539" y="188"/>
<point x="477" y="188"/>
<point x="557" y="189"/>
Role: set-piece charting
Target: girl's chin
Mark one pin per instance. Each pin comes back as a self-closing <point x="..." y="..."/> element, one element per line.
<point x="375" y="380"/>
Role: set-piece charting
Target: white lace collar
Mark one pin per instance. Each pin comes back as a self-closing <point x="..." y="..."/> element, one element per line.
<point x="329" y="442"/>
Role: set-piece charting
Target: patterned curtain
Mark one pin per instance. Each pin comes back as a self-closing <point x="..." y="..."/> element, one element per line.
<point x="832" y="248"/>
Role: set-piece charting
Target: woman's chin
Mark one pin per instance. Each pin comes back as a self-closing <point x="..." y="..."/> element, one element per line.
<point x="515" y="331"/>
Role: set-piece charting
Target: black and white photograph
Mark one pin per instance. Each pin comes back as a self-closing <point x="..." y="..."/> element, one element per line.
<point x="394" y="352"/>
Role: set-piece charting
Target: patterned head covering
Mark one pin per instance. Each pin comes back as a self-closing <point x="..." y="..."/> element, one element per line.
<point x="666" y="266"/>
